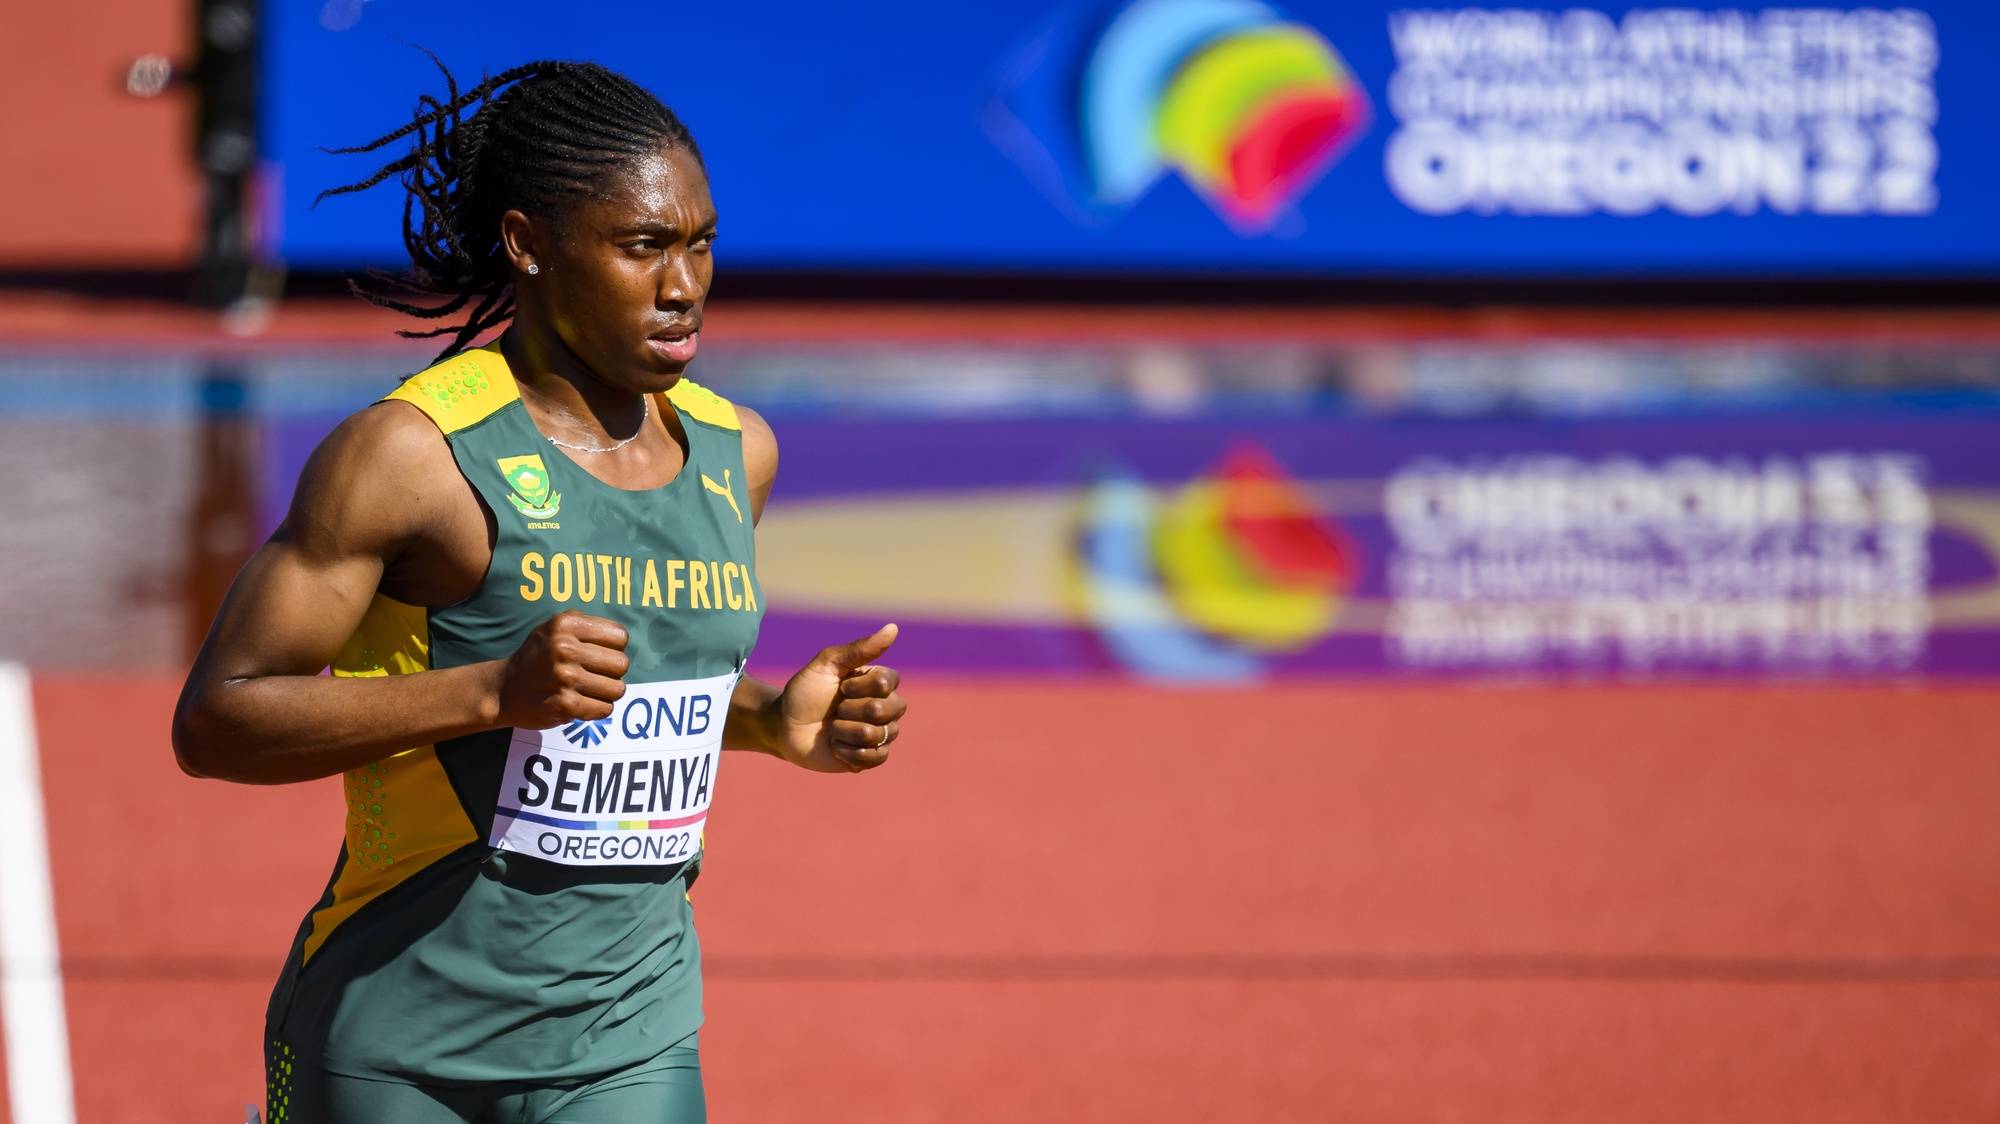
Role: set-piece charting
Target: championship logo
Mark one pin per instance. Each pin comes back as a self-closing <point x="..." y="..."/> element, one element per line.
<point x="1248" y="108"/>
<point x="1215" y="578"/>
<point x="529" y="478"/>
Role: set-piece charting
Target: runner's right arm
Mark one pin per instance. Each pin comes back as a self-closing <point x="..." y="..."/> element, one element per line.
<point x="256" y="709"/>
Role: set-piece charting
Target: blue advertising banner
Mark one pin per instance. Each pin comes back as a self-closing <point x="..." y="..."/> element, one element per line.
<point x="1228" y="136"/>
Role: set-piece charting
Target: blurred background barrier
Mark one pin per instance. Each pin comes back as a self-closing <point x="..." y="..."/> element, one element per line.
<point x="1449" y="558"/>
<point x="1188" y="507"/>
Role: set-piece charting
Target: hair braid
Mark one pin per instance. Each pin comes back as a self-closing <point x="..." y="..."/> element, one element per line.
<point x="538" y="137"/>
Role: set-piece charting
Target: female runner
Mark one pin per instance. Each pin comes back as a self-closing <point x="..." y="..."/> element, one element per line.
<point x="531" y="570"/>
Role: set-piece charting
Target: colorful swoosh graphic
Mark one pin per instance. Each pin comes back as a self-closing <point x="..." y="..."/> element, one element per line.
<point x="1249" y="109"/>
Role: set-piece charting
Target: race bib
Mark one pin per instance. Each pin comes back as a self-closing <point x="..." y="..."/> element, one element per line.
<point x="629" y="790"/>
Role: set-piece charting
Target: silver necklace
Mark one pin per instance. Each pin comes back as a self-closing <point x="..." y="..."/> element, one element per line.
<point x="647" y="402"/>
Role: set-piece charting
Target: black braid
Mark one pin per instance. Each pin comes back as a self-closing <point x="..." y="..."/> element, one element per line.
<point x="539" y="137"/>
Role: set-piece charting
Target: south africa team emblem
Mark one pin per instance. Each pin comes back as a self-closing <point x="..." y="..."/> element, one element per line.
<point x="529" y="478"/>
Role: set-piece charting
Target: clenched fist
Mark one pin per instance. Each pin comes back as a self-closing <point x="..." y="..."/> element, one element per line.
<point x="572" y="666"/>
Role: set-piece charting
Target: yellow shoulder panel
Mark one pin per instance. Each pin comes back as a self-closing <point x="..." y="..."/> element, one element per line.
<point x="704" y="405"/>
<point x="462" y="391"/>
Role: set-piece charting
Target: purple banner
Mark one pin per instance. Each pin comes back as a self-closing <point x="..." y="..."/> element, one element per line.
<point x="1228" y="550"/>
<point x="1237" y="548"/>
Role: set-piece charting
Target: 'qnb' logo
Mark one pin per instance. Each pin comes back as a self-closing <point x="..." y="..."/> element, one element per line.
<point x="587" y="732"/>
<point x="1247" y="107"/>
<point x="683" y="717"/>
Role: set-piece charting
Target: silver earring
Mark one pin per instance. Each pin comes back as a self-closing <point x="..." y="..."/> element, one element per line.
<point x="533" y="269"/>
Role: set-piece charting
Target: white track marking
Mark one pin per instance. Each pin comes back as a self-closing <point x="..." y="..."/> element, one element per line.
<point x="31" y="986"/>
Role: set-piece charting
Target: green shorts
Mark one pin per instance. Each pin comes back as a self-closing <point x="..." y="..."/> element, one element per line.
<point x="665" y="1090"/>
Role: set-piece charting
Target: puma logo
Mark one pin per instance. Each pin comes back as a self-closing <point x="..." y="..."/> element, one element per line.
<point x="722" y="490"/>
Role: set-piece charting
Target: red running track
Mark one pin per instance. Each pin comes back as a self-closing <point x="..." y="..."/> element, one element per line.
<point x="1107" y="903"/>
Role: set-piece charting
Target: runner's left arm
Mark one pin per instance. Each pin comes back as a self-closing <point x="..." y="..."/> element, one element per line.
<point x="841" y="711"/>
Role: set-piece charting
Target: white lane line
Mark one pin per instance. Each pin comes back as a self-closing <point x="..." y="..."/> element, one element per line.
<point x="31" y="987"/>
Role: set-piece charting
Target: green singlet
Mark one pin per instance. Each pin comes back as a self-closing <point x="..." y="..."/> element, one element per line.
<point x="510" y="907"/>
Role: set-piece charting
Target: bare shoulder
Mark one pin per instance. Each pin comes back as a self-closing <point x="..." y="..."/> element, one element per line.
<point x="760" y="458"/>
<point x="378" y="478"/>
<point x="760" y="445"/>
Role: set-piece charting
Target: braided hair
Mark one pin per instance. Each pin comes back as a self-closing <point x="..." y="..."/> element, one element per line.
<point x="538" y="137"/>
